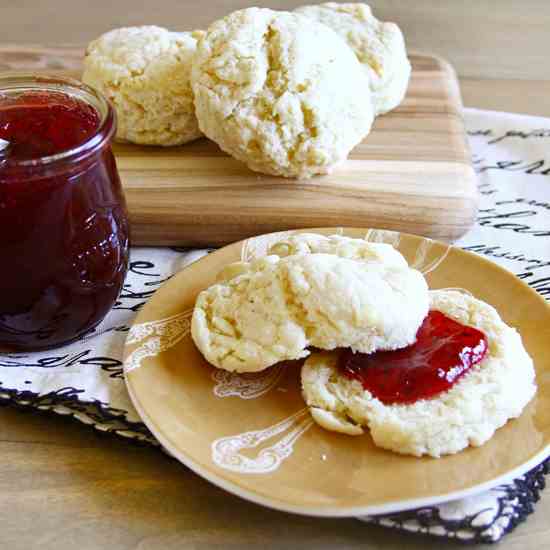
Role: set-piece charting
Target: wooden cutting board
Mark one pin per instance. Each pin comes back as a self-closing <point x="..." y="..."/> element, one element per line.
<point x="412" y="173"/>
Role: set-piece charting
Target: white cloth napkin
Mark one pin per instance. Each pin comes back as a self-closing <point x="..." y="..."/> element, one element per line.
<point x="512" y="158"/>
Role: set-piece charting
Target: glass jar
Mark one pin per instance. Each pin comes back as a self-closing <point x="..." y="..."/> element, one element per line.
<point x="63" y="220"/>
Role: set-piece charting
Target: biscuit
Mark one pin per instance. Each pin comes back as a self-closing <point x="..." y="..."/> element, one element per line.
<point x="281" y="93"/>
<point x="339" y="245"/>
<point x="480" y="402"/>
<point x="308" y="243"/>
<point x="145" y="73"/>
<point x="379" y="46"/>
<point x="275" y="308"/>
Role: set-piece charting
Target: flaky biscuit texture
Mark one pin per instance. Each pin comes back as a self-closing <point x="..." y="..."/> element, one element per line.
<point x="280" y="92"/>
<point x="378" y="45"/>
<point x="275" y="308"/>
<point x="338" y="245"/>
<point x="483" y="400"/>
<point x="309" y="243"/>
<point x="145" y="72"/>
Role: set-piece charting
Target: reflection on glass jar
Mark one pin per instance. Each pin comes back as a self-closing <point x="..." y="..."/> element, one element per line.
<point x="63" y="220"/>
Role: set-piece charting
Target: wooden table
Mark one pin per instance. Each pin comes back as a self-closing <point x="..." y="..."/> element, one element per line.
<point x="500" y="51"/>
<point x="63" y="486"/>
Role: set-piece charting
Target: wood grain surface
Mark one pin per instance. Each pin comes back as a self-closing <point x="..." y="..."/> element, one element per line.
<point x="65" y="487"/>
<point x="412" y="173"/>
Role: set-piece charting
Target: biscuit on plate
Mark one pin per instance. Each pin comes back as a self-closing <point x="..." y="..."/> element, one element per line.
<point x="275" y="308"/>
<point x="145" y="72"/>
<point x="281" y="93"/>
<point x="379" y="46"/>
<point x="309" y="243"/>
<point x="481" y="401"/>
<point x="339" y="245"/>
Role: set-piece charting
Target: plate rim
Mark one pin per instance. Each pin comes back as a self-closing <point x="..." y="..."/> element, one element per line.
<point x="338" y="511"/>
<point x="328" y="511"/>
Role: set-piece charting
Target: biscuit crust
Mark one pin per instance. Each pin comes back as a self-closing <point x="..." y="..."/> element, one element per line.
<point x="279" y="92"/>
<point x="339" y="245"/>
<point x="379" y="47"/>
<point x="483" y="400"/>
<point x="145" y="72"/>
<point x="274" y="308"/>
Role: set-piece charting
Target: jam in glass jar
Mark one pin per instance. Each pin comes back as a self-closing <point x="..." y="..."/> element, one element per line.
<point x="63" y="220"/>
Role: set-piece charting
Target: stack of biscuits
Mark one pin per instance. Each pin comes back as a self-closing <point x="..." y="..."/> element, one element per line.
<point x="289" y="94"/>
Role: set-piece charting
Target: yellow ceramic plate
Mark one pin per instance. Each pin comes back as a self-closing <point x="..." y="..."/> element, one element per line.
<point x="252" y="435"/>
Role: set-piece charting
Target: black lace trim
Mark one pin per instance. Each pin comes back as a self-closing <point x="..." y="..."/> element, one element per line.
<point x="101" y="416"/>
<point x="515" y="505"/>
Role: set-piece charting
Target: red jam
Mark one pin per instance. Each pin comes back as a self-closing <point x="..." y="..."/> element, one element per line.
<point x="63" y="221"/>
<point x="39" y="124"/>
<point x="443" y="352"/>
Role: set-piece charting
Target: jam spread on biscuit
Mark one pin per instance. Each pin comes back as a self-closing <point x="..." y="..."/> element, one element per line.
<point x="444" y="350"/>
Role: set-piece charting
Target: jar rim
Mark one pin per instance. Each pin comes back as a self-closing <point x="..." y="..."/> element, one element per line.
<point x="21" y="82"/>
